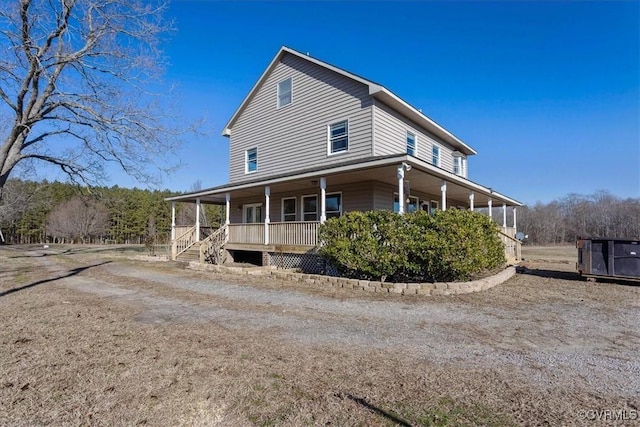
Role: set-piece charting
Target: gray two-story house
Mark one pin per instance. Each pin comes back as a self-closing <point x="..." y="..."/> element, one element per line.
<point x="312" y="141"/>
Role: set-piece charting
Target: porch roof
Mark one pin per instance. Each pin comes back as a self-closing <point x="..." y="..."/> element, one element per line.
<point x="424" y="178"/>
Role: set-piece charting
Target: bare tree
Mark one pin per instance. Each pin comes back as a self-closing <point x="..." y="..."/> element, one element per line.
<point x="77" y="82"/>
<point x="78" y="219"/>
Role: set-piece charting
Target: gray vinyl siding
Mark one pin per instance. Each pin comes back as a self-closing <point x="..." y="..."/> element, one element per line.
<point x="391" y="137"/>
<point x="384" y="194"/>
<point x="294" y="137"/>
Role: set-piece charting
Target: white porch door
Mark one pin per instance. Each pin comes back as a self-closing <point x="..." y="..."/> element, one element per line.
<point x="253" y="213"/>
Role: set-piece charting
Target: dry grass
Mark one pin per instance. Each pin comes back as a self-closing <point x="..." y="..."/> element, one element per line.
<point x="70" y="357"/>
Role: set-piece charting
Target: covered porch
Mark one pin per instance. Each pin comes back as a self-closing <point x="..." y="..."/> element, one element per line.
<point x="282" y="214"/>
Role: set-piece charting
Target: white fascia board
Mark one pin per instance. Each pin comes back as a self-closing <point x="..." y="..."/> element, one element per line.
<point x="464" y="182"/>
<point x="305" y="175"/>
<point x="272" y="64"/>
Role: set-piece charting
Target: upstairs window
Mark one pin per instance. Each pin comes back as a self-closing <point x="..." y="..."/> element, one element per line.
<point x="435" y="155"/>
<point x="457" y="165"/>
<point x="339" y="137"/>
<point x="460" y="166"/>
<point x="251" y="160"/>
<point x="411" y="144"/>
<point x="284" y="93"/>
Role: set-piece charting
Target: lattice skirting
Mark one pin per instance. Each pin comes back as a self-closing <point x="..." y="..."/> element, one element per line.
<point x="307" y="263"/>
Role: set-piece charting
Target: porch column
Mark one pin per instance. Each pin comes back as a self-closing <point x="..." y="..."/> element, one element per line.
<point x="267" y="194"/>
<point x="197" y="220"/>
<point x="173" y="221"/>
<point x="514" y="219"/>
<point x="443" y="190"/>
<point x="323" y="199"/>
<point x="490" y="209"/>
<point x="471" y="199"/>
<point x="227" y="208"/>
<point x="401" y="189"/>
<point x="504" y="215"/>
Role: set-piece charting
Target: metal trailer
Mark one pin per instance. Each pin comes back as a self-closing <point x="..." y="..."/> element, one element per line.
<point x="603" y="257"/>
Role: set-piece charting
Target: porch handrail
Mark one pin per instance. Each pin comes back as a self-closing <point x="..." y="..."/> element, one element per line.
<point x="183" y="242"/>
<point x="211" y="248"/>
<point x="512" y="246"/>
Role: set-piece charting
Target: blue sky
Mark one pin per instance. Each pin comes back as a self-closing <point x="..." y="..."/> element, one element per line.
<point x="548" y="93"/>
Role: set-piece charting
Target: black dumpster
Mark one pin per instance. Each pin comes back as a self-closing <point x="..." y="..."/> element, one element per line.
<point x="609" y="258"/>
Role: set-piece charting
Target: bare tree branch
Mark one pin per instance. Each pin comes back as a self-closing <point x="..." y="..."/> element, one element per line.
<point x="78" y="82"/>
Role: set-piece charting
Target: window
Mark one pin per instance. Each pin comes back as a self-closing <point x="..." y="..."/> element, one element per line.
<point x="460" y="165"/>
<point x="411" y="203"/>
<point x="333" y="205"/>
<point x="339" y="137"/>
<point x="284" y="93"/>
<point x="435" y="155"/>
<point x="434" y="205"/>
<point x="310" y="208"/>
<point x="253" y="213"/>
<point x="251" y="160"/>
<point x="289" y="209"/>
<point x="411" y="144"/>
<point x="457" y="165"/>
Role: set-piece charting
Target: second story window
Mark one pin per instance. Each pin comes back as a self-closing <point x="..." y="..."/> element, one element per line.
<point x="411" y="144"/>
<point x="284" y="93"/>
<point x="459" y="165"/>
<point x="339" y="137"/>
<point x="435" y="155"/>
<point x="251" y="160"/>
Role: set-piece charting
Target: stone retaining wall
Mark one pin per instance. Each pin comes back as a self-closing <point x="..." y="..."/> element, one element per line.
<point x="444" y="288"/>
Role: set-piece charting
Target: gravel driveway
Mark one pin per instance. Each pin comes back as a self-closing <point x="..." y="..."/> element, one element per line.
<point x="545" y="327"/>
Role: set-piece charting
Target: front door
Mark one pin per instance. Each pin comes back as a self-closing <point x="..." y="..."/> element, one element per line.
<point x="253" y="213"/>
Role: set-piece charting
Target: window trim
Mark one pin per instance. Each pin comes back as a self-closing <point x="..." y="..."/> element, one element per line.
<point x="415" y="143"/>
<point x="246" y="206"/>
<point x="395" y="194"/>
<point x="278" y="95"/>
<point x="246" y="160"/>
<point x="303" y="212"/>
<point x="329" y="142"/>
<point x="439" y="158"/>
<point x="295" y="205"/>
<point x="333" y="194"/>
<point x="461" y="165"/>
<point x="433" y="209"/>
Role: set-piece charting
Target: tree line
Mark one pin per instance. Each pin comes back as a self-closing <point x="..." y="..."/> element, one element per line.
<point x="600" y="214"/>
<point x="55" y="212"/>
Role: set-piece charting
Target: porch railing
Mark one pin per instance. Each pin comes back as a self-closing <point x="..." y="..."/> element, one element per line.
<point x="512" y="246"/>
<point x="212" y="247"/>
<point x="294" y="233"/>
<point x="183" y="241"/>
<point x="280" y="233"/>
<point x="246" y="233"/>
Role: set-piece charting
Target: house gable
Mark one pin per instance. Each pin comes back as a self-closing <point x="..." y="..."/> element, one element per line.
<point x="294" y="132"/>
<point x="295" y="136"/>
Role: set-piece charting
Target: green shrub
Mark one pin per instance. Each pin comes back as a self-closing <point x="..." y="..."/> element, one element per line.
<point x="381" y="245"/>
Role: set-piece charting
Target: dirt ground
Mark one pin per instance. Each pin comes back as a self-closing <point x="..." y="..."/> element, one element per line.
<point x="94" y="336"/>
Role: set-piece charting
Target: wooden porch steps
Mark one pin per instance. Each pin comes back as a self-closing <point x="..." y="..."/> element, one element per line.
<point x="191" y="254"/>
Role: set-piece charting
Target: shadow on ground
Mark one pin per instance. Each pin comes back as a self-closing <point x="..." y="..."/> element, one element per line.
<point x="70" y="273"/>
